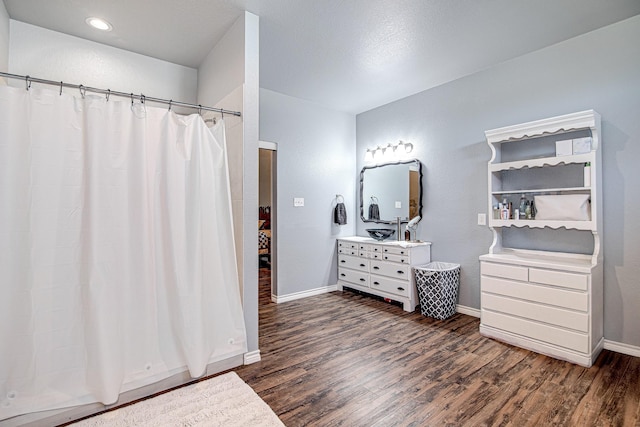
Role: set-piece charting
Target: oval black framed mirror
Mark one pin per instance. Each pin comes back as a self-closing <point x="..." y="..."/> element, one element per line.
<point x="391" y="190"/>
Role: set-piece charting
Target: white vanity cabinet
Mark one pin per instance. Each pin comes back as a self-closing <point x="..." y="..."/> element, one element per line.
<point x="382" y="268"/>
<point x="546" y="301"/>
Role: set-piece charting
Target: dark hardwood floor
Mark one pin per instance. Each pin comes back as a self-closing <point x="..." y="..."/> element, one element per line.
<point x="346" y="359"/>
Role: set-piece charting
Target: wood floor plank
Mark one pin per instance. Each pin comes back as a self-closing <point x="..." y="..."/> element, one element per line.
<point x="344" y="359"/>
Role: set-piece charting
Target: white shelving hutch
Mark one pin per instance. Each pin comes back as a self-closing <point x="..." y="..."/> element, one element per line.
<point x="546" y="301"/>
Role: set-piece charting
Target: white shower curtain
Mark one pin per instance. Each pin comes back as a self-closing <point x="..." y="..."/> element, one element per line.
<point x="117" y="260"/>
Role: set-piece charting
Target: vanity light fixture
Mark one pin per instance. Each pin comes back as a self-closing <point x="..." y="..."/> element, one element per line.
<point x="98" y="23"/>
<point x="368" y="155"/>
<point x="389" y="151"/>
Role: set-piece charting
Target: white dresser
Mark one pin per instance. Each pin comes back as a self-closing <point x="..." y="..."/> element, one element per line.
<point x="382" y="268"/>
<point x="545" y="300"/>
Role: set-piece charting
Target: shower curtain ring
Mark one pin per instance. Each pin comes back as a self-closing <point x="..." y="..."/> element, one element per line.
<point x="131" y="98"/>
<point x="108" y="94"/>
<point x="27" y="82"/>
<point x="142" y="98"/>
<point x="170" y="102"/>
<point x="60" y="87"/>
<point x="82" y="90"/>
<point x="199" y="109"/>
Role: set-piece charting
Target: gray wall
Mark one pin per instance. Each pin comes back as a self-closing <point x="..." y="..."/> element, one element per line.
<point x="4" y="39"/>
<point x="598" y="70"/>
<point x="316" y="160"/>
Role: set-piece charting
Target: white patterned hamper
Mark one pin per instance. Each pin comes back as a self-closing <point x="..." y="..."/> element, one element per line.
<point x="438" y="284"/>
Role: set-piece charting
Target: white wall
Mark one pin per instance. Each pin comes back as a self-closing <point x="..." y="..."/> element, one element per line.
<point x="4" y="38"/>
<point x="316" y="161"/>
<point x="47" y="54"/>
<point x="222" y="71"/>
<point x="229" y="78"/>
<point x="598" y="70"/>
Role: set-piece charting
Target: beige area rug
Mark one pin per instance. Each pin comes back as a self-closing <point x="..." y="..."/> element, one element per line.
<point x="224" y="400"/>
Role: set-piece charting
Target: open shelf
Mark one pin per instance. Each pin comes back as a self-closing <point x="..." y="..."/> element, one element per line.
<point x="534" y="223"/>
<point x="541" y="162"/>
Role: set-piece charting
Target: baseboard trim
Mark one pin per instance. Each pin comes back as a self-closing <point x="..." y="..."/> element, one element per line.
<point x="304" y="294"/>
<point x="252" y="357"/>
<point x="469" y="311"/>
<point x="620" y="347"/>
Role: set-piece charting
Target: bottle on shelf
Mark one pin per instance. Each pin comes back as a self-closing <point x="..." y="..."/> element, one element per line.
<point x="504" y="210"/>
<point x="523" y="207"/>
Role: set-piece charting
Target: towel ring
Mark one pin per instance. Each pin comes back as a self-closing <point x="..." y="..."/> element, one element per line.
<point x="339" y="198"/>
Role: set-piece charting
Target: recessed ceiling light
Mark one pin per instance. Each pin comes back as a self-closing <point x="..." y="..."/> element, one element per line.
<point x="99" y="23"/>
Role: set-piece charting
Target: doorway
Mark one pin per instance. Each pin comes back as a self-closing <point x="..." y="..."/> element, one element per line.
<point x="267" y="224"/>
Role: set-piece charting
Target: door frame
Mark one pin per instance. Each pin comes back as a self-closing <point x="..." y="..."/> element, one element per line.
<point x="272" y="146"/>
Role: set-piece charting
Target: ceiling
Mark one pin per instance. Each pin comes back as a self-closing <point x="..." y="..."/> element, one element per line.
<point x="349" y="55"/>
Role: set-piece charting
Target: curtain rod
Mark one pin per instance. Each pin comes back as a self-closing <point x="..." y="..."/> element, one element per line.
<point x="108" y="92"/>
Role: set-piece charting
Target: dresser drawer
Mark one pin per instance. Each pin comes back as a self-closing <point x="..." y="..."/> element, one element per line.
<point x="347" y="245"/>
<point x="559" y="278"/>
<point x="546" y="333"/>
<point x="537" y="312"/>
<point x="392" y="286"/>
<point x="389" y="269"/>
<point x="356" y="263"/>
<point x="353" y="276"/>
<point x="505" y="271"/>
<point x="396" y="258"/>
<point x="347" y="251"/>
<point x="541" y="294"/>
<point x="395" y="251"/>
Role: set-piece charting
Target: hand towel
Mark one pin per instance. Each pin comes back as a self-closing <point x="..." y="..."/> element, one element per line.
<point x="374" y="211"/>
<point x="340" y="214"/>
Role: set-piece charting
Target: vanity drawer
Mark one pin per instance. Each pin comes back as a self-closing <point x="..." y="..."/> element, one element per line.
<point x="537" y="312"/>
<point x="395" y="250"/>
<point x="347" y="245"/>
<point x="375" y="249"/>
<point x="559" y="278"/>
<point x="390" y="269"/>
<point x="541" y="294"/>
<point x="353" y="276"/>
<point x="396" y="258"/>
<point x="505" y="271"/>
<point x="353" y="262"/>
<point x="347" y="251"/>
<point x="392" y="286"/>
<point x="363" y="247"/>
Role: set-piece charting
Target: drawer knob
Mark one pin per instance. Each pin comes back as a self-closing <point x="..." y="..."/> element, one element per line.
<point x="363" y="280"/>
<point x="362" y="265"/>
<point x="386" y="257"/>
<point x="400" y="288"/>
<point x="376" y="283"/>
<point x="343" y="261"/>
<point x="400" y="272"/>
<point x="375" y="267"/>
<point x="342" y="275"/>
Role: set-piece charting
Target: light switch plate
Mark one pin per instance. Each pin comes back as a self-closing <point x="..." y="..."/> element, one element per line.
<point x="482" y="219"/>
<point x="398" y="205"/>
<point x="298" y="202"/>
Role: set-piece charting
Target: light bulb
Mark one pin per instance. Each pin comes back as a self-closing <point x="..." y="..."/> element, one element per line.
<point x="98" y="23"/>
